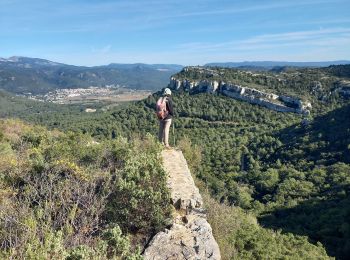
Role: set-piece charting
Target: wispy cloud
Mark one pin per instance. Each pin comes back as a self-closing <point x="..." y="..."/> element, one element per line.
<point x="132" y="15"/>
<point x="306" y="38"/>
<point x="299" y="35"/>
<point x="104" y="50"/>
<point x="267" y="25"/>
<point x="244" y="8"/>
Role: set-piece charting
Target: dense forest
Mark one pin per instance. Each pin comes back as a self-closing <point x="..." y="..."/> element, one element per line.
<point x="290" y="174"/>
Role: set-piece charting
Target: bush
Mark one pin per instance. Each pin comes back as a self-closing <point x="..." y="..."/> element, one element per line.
<point x="64" y="195"/>
<point x="139" y="193"/>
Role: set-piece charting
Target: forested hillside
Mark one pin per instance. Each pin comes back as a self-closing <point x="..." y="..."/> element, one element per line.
<point x="293" y="176"/>
<point x="78" y="156"/>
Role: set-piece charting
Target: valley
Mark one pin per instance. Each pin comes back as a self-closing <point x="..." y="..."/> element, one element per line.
<point x="91" y="95"/>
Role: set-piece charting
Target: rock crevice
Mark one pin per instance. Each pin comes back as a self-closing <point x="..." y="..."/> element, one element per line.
<point x="190" y="236"/>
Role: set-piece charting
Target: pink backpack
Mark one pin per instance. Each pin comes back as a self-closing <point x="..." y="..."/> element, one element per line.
<point x="162" y="112"/>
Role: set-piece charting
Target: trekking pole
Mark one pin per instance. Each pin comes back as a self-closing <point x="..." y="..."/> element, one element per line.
<point x="174" y="133"/>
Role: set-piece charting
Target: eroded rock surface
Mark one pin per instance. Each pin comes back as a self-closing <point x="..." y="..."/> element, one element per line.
<point x="190" y="236"/>
<point x="184" y="193"/>
<point x="270" y="100"/>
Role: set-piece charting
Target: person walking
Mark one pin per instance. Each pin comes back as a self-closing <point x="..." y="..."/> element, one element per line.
<point x="165" y="113"/>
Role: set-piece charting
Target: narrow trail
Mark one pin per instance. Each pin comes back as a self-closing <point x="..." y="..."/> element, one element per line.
<point x="184" y="193"/>
<point x="190" y="236"/>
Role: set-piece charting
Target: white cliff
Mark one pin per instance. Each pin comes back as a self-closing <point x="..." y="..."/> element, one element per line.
<point x="344" y="88"/>
<point x="270" y="100"/>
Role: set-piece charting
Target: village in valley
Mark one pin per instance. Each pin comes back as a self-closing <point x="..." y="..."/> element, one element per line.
<point x="109" y="93"/>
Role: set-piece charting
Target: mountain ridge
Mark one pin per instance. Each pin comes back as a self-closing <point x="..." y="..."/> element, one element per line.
<point x="271" y="64"/>
<point x="32" y="75"/>
<point x="121" y="65"/>
<point x="21" y="75"/>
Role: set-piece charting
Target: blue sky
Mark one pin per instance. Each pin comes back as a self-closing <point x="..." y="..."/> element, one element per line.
<point x="187" y="32"/>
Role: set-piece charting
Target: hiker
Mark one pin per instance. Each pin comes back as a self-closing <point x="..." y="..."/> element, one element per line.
<point x="165" y="113"/>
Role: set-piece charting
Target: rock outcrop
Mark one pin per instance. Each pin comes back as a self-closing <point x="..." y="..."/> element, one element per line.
<point x="272" y="101"/>
<point x="344" y="88"/>
<point x="190" y="236"/>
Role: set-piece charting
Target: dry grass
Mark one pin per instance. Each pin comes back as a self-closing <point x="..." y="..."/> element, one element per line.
<point x="223" y="220"/>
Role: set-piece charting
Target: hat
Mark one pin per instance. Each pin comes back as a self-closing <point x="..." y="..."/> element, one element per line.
<point x="167" y="92"/>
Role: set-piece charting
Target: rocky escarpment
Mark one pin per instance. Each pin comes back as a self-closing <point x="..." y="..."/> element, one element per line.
<point x="190" y="236"/>
<point x="343" y="87"/>
<point x="272" y="101"/>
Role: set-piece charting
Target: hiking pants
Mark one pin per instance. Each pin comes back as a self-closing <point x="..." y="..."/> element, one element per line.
<point x="164" y="127"/>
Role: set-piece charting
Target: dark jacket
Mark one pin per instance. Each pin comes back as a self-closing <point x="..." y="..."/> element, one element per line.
<point x="169" y="107"/>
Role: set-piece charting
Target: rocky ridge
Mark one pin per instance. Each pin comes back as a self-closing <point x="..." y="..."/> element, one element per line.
<point x="190" y="235"/>
<point x="272" y="101"/>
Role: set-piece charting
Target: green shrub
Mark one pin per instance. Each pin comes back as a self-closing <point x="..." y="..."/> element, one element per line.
<point x="65" y="195"/>
<point x="140" y="193"/>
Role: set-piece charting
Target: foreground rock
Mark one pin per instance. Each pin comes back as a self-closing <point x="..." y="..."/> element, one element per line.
<point x="190" y="236"/>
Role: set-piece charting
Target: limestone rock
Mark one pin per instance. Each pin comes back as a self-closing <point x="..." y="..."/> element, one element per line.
<point x="190" y="236"/>
<point x="251" y="95"/>
<point x="193" y="240"/>
<point x="344" y="88"/>
<point x="184" y="193"/>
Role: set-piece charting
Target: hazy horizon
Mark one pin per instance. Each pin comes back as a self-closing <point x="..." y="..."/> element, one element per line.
<point x="184" y="65"/>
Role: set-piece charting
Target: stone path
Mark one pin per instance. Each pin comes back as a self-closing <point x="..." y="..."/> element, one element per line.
<point x="184" y="193"/>
<point x="190" y="236"/>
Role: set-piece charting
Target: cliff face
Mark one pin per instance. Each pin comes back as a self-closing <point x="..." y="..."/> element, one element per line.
<point x="272" y="101"/>
<point x="190" y="236"/>
<point x="344" y="88"/>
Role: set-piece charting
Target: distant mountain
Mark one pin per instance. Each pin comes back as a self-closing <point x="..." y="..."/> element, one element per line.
<point x="23" y="75"/>
<point x="140" y="66"/>
<point x="272" y="64"/>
